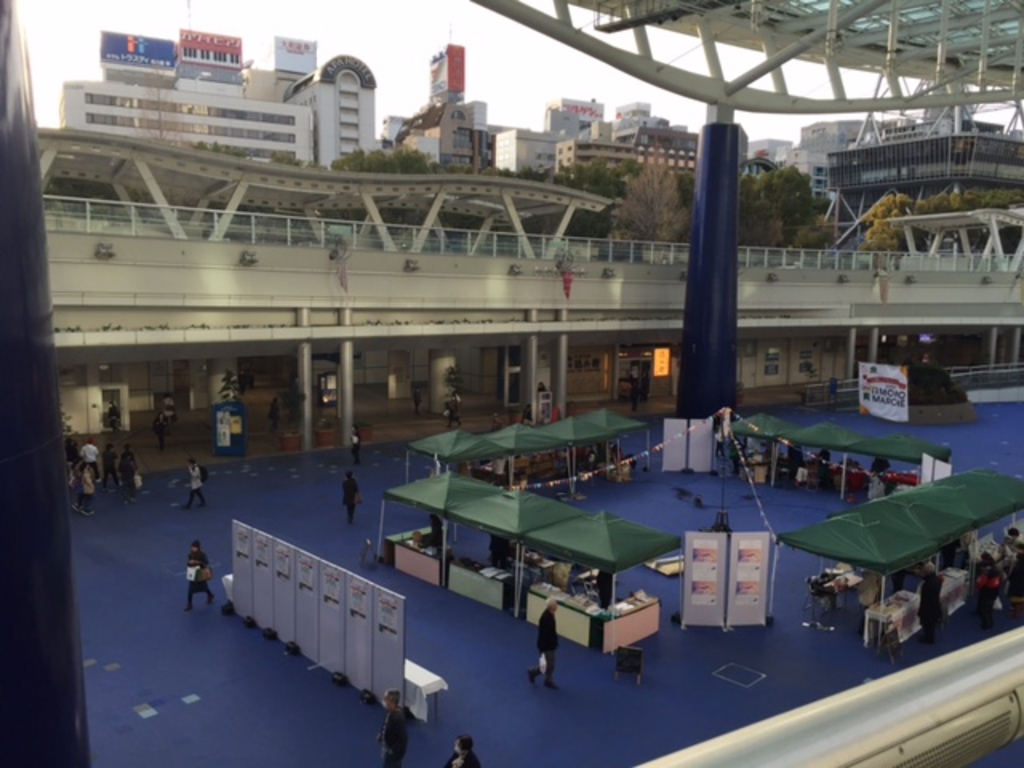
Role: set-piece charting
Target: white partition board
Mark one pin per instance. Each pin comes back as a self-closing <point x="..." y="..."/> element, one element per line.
<point x="689" y="444"/>
<point x="388" y="641"/>
<point x="359" y="632"/>
<point x="262" y="578"/>
<point x="307" y="604"/>
<point x="332" y="609"/>
<point x="704" y="584"/>
<point x="241" y="568"/>
<point x="748" y="579"/>
<point x="284" y="591"/>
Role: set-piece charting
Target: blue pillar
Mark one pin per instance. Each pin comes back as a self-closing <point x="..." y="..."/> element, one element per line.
<point x="707" y="380"/>
<point x="43" y="719"/>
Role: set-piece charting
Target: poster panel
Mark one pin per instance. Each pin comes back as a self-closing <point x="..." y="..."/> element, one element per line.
<point x="331" y="631"/>
<point x="689" y="444"/>
<point x="241" y="568"/>
<point x="262" y="578"/>
<point x="704" y="584"/>
<point x="284" y="591"/>
<point x="307" y="604"/>
<point x="882" y="391"/>
<point x="748" y="579"/>
<point x="359" y="632"/>
<point x="388" y="641"/>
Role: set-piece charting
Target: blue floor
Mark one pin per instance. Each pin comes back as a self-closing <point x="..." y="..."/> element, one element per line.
<point x="169" y="688"/>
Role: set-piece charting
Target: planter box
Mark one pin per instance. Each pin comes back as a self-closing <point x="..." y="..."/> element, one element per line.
<point x="291" y="442"/>
<point x="324" y="438"/>
<point x="365" y="433"/>
<point x="515" y="416"/>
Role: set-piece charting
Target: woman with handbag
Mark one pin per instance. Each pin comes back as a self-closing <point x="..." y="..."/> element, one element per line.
<point x="198" y="573"/>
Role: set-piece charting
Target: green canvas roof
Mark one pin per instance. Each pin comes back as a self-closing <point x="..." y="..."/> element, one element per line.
<point x="438" y="493"/>
<point x="577" y="431"/>
<point x="826" y="435"/>
<point x="901" y="448"/>
<point x="764" y="426"/>
<point x="603" y="541"/>
<point x="519" y="440"/>
<point x="454" y="446"/>
<point x="511" y="513"/>
<point x="611" y="420"/>
<point x="899" y="530"/>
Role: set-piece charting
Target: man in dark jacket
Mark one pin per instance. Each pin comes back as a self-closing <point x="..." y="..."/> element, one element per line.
<point x="930" y="610"/>
<point x="393" y="735"/>
<point x="547" y="644"/>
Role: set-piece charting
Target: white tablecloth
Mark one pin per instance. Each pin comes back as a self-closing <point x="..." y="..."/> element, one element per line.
<point x="419" y="684"/>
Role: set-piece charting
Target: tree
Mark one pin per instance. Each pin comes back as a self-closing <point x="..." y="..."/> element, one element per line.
<point x="787" y="194"/>
<point x="229" y="389"/>
<point x="598" y="178"/>
<point x="651" y="210"/>
<point x="285" y="158"/>
<point x="401" y="161"/>
<point x="757" y="224"/>
<point x="881" y="234"/>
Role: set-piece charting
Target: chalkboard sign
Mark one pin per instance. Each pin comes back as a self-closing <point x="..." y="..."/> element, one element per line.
<point x="629" y="660"/>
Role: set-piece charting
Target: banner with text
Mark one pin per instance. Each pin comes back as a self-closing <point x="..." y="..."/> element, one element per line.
<point x="883" y="391"/>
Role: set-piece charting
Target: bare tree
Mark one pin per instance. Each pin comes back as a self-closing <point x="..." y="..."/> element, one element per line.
<point x="651" y="209"/>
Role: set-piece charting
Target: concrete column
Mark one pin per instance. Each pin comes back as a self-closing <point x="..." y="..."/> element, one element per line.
<point x="1014" y="352"/>
<point x="991" y="345"/>
<point x="851" y="353"/>
<point x="873" y="345"/>
<point x="560" y="366"/>
<point x="346" y="390"/>
<point x="437" y="391"/>
<point x="44" y="715"/>
<point x="215" y="375"/>
<point x="306" y="386"/>
<point x="528" y="375"/>
<point x="302" y="317"/>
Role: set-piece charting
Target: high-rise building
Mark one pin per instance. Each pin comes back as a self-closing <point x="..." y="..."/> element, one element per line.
<point x="448" y="76"/>
<point x="517" y="149"/>
<point x="571" y="117"/>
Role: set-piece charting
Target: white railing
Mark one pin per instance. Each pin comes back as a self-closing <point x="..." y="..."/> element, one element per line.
<point x="115" y="218"/>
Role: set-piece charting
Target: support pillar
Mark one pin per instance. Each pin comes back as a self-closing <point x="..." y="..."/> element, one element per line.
<point x="708" y="359"/>
<point x="346" y="387"/>
<point x="306" y="387"/>
<point x="991" y="345"/>
<point x="437" y="390"/>
<point x="873" y="345"/>
<point x="851" y="353"/>
<point x="44" y="721"/>
<point x="528" y="376"/>
<point x="560" y="366"/>
<point x="1014" y="351"/>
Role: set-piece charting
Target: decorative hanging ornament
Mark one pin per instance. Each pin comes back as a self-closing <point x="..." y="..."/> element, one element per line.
<point x="565" y="269"/>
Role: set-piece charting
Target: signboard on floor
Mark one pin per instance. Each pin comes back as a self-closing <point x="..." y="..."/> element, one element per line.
<point x="388" y="641"/>
<point x="241" y="568"/>
<point x="704" y="584"/>
<point x="307" y="604"/>
<point x="332" y="608"/>
<point x="689" y="444"/>
<point x="359" y="632"/>
<point x="230" y="428"/>
<point x="284" y="591"/>
<point x="882" y="391"/>
<point x="262" y="578"/>
<point x="748" y="579"/>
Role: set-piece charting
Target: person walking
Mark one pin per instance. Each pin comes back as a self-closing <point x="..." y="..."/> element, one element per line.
<point x="195" y="481"/>
<point x="988" y="584"/>
<point x="357" y="440"/>
<point x="91" y="456"/>
<point x="547" y="644"/>
<point x="275" y="414"/>
<point x="452" y="412"/>
<point x="930" y="610"/>
<point x="128" y="469"/>
<point x="464" y="756"/>
<point x="161" y="425"/>
<point x="417" y="400"/>
<point x="350" y="495"/>
<point x="113" y="417"/>
<point x="198" y="574"/>
<point x="393" y="736"/>
<point x="110" y="466"/>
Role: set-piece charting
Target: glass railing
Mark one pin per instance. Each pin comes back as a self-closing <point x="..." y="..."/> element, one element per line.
<point x="106" y="217"/>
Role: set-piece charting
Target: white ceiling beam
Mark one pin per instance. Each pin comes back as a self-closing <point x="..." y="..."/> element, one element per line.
<point x="940" y="46"/>
<point x="428" y="223"/>
<point x="891" y="48"/>
<point x="707" y="40"/>
<point x="566" y="218"/>
<point x="517" y="224"/>
<point x="983" y="48"/>
<point x="224" y="217"/>
<point x="373" y="213"/>
<point x="485" y="228"/>
<point x="170" y="216"/>
<point x="770" y="49"/>
<point x="919" y="30"/>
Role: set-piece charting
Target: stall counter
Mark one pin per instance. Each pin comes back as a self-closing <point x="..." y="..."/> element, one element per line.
<point x="418" y="562"/>
<point x="638" y="617"/>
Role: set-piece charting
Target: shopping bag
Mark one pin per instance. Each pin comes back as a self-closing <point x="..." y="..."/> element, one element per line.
<point x="359" y="498"/>
<point x="205" y="574"/>
<point x="543" y="664"/>
<point x="192" y="573"/>
<point x="997" y="605"/>
<point x="138" y="480"/>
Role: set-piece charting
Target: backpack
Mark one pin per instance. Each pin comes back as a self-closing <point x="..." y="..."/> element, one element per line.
<point x="203" y="473"/>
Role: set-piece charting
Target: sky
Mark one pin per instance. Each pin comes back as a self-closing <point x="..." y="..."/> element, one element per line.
<point x="515" y="70"/>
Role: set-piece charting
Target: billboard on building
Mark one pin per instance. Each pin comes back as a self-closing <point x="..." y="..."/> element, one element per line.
<point x="448" y="75"/>
<point x="298" y="56"/>
<point x="210" y="51"/>
<point x="588" y="111"/>
<point x="137" y="51"/>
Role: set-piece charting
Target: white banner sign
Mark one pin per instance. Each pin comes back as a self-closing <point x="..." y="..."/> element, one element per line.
<point x="882" y="391"/>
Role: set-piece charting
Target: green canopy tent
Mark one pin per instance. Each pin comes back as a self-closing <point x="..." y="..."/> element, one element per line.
<point x="603" y="541"/>
<point x="572" y="432"/>
<point x="518" y="440"/>
<point x="511" y="515"/>
<point x="434" y="496"/>
<point x="620" y="424"/>
<point x="905" y="448"/>
<point x="450" y="448"/>
<point x="764" y="426"/>
<point x="831" y="436"/>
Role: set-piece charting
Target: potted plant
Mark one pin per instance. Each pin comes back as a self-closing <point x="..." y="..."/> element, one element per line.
<point x="230" y="392"/>
<point x="325" y="434"/>
<point x="291" y="401"/>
